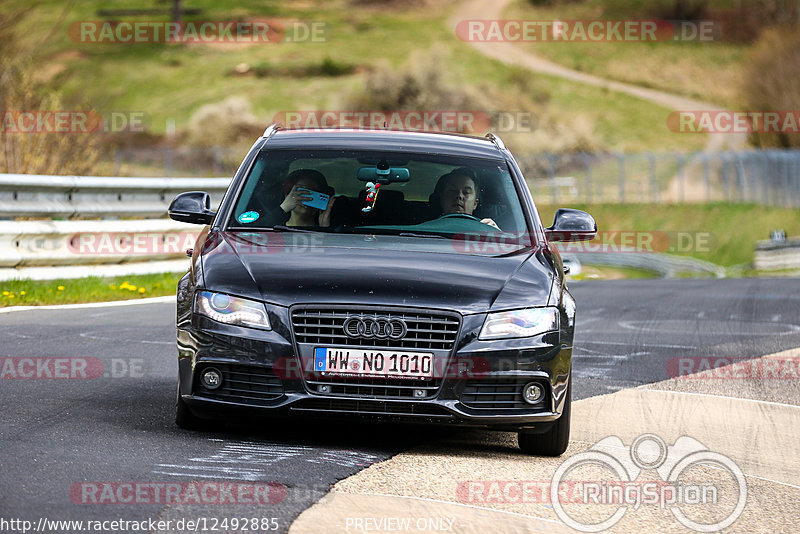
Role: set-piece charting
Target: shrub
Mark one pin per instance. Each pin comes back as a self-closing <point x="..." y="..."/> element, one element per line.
<point x="36" y="153"/>
<point x="772" y="81"/>
<point x="422" y="84"/>
<point x="224" y="123"/>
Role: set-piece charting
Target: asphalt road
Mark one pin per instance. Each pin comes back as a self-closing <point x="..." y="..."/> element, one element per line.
<point x="66" y="441"/>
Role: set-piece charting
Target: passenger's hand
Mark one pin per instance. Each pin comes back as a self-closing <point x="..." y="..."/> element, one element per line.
<point x="325" y="216"/>
<point x="294" y="198"/>
<point x="491" y="223"/>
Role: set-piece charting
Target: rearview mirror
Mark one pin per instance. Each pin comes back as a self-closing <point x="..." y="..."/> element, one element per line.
<point x="383" y="176"/>
<point x="192" y="207"/>
<point x="571" y="225"/>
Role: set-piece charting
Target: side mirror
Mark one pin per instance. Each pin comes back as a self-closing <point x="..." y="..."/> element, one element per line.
<point x="192" y="207"/>
<point x="571" y="225"/>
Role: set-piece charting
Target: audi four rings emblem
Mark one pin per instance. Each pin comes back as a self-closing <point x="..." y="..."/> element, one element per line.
<point x="375" y="327"/>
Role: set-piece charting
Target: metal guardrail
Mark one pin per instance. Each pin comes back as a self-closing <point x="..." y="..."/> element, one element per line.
<point x="777" y="255"/>
<point x="663" y="264"/>
<point x="51" y="248"/>
<point x="52" y="243"/>
<point x="77" y="197"/>
<point x="767" y="177"/>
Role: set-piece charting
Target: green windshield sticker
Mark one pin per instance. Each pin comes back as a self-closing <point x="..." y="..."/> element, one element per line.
<point x="248" y="217"/>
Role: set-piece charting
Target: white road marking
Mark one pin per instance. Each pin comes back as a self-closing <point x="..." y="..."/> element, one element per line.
<point x="660" y="328"/>
<point x="150" y="300"/>
<point x="90" y="335"/>
<point x="659" y="345"/>
<point x="251" y="460"/>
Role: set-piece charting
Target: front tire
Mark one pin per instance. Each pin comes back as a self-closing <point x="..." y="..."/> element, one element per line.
<point x="555" y="441"/>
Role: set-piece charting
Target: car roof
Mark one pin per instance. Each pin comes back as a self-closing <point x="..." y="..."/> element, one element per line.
<point x="386" y="140"/>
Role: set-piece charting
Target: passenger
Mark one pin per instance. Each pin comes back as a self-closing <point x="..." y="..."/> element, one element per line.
<point x="457" y="192"/>
<point x="292" y="211"/>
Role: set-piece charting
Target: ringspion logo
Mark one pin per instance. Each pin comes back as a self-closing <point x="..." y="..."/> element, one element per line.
<point x="611" y="484"/>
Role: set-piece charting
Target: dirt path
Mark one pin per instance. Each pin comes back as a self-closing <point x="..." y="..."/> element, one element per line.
<point x="507" y="53"/>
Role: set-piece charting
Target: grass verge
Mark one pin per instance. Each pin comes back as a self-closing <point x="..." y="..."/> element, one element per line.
<point x="91" y="289"/>
<point x="724" y="234"/>
<point x="709" y="71"/>
<point x="597" y="272"/>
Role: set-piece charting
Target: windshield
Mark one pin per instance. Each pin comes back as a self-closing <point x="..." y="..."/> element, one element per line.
<point x="380" y="193"/>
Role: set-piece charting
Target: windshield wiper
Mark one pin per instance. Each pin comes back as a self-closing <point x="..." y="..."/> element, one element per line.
<point x="284" y="228"/>
<point x="412" y="234"/>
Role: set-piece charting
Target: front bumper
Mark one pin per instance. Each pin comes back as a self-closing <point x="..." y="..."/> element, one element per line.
<point x="480" y="384"/>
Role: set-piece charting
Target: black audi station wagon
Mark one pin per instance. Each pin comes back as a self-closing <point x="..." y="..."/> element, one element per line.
<point x="403" y="276"/>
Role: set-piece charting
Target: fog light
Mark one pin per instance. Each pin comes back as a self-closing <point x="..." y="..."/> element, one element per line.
<point x="419" y="393"/>
<point x="532" y="393"/>
<point x="212" y="378"/>
<point x="323" y="389"/>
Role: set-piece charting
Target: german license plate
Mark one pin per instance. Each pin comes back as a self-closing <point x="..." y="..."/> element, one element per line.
<point x="385" y="363"/>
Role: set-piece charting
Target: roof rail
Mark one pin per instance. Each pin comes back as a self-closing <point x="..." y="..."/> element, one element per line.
<point x="496" y="140"/>
<point x="271" y="129"/>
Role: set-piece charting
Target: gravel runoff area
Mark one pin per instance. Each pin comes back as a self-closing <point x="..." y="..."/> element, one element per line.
<point x="479" y="482"/>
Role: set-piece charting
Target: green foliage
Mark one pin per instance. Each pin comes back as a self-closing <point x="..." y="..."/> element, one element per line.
<point x="772" y="81"/>
<point x="733" y="229"/>
<point x="91" y="289"/>
<point x="37" y="152"/>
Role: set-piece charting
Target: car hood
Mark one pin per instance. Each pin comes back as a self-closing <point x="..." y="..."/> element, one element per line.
<point x="291" y="268"/>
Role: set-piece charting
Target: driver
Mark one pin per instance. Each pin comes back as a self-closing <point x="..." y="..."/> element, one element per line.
<point x="457" y="192"/>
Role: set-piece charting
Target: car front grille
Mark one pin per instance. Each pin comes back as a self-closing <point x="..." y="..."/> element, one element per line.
<point x="325" y="326"/>
<point x="498" y="394"/>
<point x="425" y="330"/>
<point x="242" y="383"/>
<point x="353" y="406"/>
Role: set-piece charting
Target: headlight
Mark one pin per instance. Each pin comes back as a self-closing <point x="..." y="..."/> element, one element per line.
<point x="520" y="323"/>
<point x="231" y="310"/>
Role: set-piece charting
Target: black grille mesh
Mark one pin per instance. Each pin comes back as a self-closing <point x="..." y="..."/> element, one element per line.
<point x="242" y="383"/>
<point x="322" y="326"/>
<point x="498" y="393"/>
